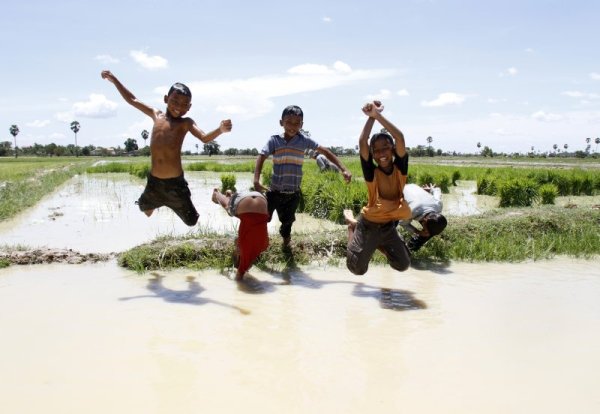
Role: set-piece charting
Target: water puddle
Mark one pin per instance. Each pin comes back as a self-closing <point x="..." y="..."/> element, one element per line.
<point x="97" y="213"/>
<point x="468" y="338"/>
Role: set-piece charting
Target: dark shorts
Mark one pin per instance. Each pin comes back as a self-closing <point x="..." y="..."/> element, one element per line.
<point x="286" y="205"/>
<point x="171" y="192"/>
<point x="370" y="236"/>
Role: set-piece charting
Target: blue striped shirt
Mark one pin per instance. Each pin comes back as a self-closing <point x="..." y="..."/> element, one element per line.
<point x="288" y="157"/>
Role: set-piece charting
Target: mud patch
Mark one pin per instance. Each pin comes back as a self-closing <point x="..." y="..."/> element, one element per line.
<point x="48" y="255"/>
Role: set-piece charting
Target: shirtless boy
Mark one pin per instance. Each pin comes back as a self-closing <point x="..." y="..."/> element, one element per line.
<point x="166" y="185"/>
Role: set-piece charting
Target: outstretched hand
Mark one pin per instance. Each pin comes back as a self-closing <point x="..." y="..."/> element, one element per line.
<point x="107" y="74"/>
<point x="347" y="176"/>
<point x="371" y="109"/>
<point x="225" y="126"/>
<point x="428" y="187"/>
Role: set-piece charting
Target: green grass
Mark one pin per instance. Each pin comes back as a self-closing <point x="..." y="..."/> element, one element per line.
<point x="503" y="235"/>
<point x="25" y="181"/>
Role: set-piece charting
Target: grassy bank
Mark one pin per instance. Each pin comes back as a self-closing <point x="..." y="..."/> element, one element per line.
<point x="24" y="181"/>
<point x="503" y="235"/>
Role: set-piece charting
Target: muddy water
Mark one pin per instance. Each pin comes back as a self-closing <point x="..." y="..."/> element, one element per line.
<point x="97" y="213"/>
<point x="469" y="338"/>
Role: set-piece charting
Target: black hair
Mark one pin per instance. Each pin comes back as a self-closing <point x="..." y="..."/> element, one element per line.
<point x="181" y="89"/>
<point x="292" y="110"/>
<point x="435" y="223"/>
<point x="380" y="135"/>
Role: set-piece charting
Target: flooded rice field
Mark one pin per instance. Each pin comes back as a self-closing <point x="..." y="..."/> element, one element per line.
<point x="463" y="338"/>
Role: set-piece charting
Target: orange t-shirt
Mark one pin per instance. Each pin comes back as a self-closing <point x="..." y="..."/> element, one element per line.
<point x="386" y="199"/>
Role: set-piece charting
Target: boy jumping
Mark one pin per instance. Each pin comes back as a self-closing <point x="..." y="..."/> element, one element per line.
<point x="166" y="185"/>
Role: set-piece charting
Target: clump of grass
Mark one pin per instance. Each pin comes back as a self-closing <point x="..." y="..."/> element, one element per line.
<point x="548" y="193"/>
<point x="518" y="193"/>
<point x="228" y="182"/>
<point x="4" y="263"/>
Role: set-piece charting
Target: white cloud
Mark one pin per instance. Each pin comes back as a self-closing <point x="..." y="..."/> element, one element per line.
<point x="595" y="75"/>
<point x="579" y="94"/>
<point x="97" y="106"/>
<point x="529" y="50"/>
<point x="383" y="94"/>
<point x="149" y="62"/>
<point x="446" y="98"/>
<point x="403" y="92"/>
<point x="512" y="71"/>
<point x="253" y="97"/>
<point x="107" y="59"/>
<point x="327" y="19"/>
<point x="38" y="124"/>
<point x="546" y="117"/>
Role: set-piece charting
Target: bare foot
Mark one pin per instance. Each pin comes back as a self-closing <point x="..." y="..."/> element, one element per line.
<point x="349" y="218"/>
<point x="214" y="196"/>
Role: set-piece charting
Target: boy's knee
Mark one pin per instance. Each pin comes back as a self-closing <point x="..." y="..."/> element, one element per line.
<point x="400" y="266"/>
<point x="355" y="266"/>
<point x="191" y="220"/>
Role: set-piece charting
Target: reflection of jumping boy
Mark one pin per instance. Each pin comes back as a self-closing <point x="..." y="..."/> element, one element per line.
<point x="251" y="208"/>
<point x="376" y="226"/>
<point x="166" y="185"/>
<point x="288" y="155"/>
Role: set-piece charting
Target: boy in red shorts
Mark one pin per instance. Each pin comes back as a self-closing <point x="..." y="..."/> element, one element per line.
<point x="251" y="208"/>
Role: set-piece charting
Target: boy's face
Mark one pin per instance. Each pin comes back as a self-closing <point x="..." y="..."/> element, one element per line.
<point x="382" y="153"/>
<point x="178" y="104"/>
<point x="291" y="125"/>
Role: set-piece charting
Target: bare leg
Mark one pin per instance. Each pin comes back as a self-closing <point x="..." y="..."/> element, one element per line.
<point x="351" y="222"/>
<point x="220" y="198"/>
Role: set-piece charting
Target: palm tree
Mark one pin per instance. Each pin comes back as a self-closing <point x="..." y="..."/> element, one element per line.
<point x="145" y="136"/>
<point x="429" y="141"/>
<point x="75" y="128"/>
<point x="597" y="141"/>
<point x="196" y="149"/>
<point x="555" y="147"/>
<point x="14" y="131"/>
<point x="566" y="146"/>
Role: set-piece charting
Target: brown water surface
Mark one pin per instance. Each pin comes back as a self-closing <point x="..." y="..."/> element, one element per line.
<point x="468" y="338"/>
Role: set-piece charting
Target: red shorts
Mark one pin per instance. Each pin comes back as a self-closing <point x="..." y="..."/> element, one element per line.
<point x="253" y="238"/>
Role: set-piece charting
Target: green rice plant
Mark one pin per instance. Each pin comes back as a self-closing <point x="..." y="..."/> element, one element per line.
<point x="518" y="193"/>
<point x="455" y="177"/>
<point x="548" y="193"/>
<point x="247" y="166"/>
<point x="228" y="182"/>
<point x="443" y="181"/>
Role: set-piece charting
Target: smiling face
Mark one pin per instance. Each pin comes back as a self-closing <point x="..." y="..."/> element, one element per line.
<point x="383" y="152"/>
<point x="177" y="104"/>
<point x="291" y="125"/>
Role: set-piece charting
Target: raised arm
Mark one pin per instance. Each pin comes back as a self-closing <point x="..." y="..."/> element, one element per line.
<point x="373" y="110"/>
<point x="260" y="160"/>
<point x="332" y="157"/>
<point x="224" y="127"/>
<point x="127" y="95"/>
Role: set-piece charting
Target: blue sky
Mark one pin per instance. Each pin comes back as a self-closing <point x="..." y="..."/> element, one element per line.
<point x="510" y="74"/>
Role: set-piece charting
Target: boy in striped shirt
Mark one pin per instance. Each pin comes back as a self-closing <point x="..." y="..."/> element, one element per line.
<point x="288" y="151"/>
